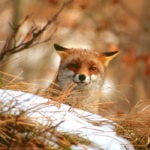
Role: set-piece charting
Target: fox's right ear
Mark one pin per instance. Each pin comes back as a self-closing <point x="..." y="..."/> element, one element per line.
<point x="62" y="51"/>
<point x="106" y="57"/>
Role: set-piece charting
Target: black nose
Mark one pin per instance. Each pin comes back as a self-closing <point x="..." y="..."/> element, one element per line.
<point x="82" y="77"/>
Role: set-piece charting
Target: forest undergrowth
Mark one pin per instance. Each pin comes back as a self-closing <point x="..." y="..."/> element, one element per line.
<point x="20" y="130"/>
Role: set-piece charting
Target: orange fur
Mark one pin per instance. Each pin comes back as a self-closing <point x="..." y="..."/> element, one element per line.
<point x="85" y="69"/>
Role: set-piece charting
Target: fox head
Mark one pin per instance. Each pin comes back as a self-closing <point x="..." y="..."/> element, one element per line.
<point x="83" y="67"/>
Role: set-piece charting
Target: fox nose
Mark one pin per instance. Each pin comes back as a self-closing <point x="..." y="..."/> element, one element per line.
<point x="82" y="77"/>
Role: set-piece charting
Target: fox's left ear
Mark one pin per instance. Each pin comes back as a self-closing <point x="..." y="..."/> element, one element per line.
<point x="106" y="57"/>
<point x="62" y="51"/>
<point x="59" y="48"/>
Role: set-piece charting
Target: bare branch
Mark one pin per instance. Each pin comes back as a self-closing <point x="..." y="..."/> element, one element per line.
<point x="11" y="48"/>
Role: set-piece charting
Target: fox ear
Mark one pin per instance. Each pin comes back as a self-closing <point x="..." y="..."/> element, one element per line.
<point x="59" y="48"/>
<point x="106" y="57"/>
<point x="62" y="51"/>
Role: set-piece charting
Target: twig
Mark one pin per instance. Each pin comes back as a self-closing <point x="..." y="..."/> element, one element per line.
<point x="35" y="32"/>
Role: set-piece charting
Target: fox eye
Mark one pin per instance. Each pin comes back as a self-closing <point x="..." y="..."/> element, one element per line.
<point x="93" y="68"/>
<point x="74" y="65"/>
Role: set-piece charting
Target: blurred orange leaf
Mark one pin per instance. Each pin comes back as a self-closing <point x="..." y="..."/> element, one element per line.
<point x="115" y="1"/>
<point x="130" y="58"/>
<point x="113" y="47"/>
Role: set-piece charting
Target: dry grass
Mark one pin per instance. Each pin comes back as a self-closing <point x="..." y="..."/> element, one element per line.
<point x="134" y="126"/>
<point x="20" y="131"/>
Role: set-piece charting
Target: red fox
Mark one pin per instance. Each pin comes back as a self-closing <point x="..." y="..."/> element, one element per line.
<point x="84" y="69"/>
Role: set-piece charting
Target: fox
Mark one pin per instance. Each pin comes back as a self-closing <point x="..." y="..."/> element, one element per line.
<point x="85" y="70"/>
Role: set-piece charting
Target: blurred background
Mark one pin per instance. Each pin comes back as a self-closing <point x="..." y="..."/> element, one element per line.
<point x="101" y="25"/>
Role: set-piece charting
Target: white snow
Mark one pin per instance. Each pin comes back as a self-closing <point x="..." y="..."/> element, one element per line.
<point x="72" y="120"/>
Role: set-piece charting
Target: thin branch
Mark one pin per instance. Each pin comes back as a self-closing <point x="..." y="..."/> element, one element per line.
<point x="34" y="32"/>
